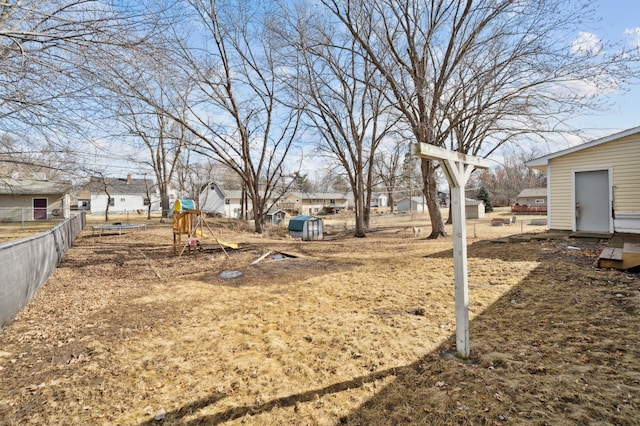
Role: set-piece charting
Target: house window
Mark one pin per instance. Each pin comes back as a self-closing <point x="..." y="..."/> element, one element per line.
<point x="112" y="202"/>
<point x="147" y="202"/>
<point x="122" y="200"/>
<point x="539" y="201"/>
<point x="227" y="201"/>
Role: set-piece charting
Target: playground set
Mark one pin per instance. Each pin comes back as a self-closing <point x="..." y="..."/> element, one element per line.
<point x="188" y="227"/>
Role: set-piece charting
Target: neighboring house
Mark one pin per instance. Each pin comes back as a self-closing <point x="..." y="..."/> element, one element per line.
<point x="310" y="203"/>
<point x="83" y="202"/>
<point x="415" y="204"/>
<point x="323" y="202"/>
<point x="213" y="200"/>
<point x="127" y="195"/>
<point x="595" y="186"/>
<point x="531" y="200"/>
<point x="473" y="209"/>
<point x="30" y="199"/>
<point x="379" y="200"/>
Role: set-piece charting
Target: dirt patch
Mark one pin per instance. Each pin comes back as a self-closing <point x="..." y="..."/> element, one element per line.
<point x="274" y="272"/>
<point x="349" y="332"/>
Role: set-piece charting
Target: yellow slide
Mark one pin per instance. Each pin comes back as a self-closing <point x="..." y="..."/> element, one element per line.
<point x="230" y="245"/>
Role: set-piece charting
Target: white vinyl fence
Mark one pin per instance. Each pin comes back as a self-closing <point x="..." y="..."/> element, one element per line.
<point x="26" y="264"/>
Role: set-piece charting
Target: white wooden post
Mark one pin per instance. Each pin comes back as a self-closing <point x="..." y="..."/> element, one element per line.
<point x="457" y="168"/>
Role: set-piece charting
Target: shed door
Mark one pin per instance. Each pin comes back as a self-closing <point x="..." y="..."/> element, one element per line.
<point x="39" y="209"/>
<point x="592" y="201"/>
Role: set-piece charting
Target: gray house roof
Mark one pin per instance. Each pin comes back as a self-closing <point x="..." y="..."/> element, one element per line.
<point x="533" y="192"/>
<point x="120" y="186"/>
<point x="32" y="186"/>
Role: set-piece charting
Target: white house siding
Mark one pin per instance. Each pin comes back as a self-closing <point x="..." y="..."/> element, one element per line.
<point x="233" y="207"/>
<point x="621" y="157"/>
<point x="122" y="203"/>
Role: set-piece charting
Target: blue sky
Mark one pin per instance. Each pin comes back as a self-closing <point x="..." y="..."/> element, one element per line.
<point x="620" y="21"/>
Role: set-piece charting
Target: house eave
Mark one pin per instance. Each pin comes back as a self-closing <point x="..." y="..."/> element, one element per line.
<point x="541" y="163"/>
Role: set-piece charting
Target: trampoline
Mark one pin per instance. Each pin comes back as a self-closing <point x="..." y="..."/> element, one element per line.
<point x="119" y="229"/>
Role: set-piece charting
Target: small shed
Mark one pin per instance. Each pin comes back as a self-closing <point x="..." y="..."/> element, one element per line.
<point x="412" y="204"/>
<point x="474" y="209"/>
<point x="307" y="228"/>
<point x="275" y="217"/>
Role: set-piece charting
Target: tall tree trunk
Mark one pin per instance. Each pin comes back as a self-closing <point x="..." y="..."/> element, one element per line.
<point x="359" y="212"/>
<point x="106" y="210"/>
<point x="243" y="194"/>
<point x="430" y="192"/>
<point x="164" y="201"/>
<point x="258" y="209"/>
<point x="366" y="211"/>
<point x="366" y="215"/>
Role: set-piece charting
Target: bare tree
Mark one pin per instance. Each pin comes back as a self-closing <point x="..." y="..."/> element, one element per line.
<point x="505" y="181"/>
<point x="44" y="47"/>
<point x="149" y="192"/>
<point x="337" y="85"/>
<point x="24" y="160"/>
<point x="388" y="168"/>
<point x="478" y="73"/>
<point x="102" y="183"/>
<point x="234" y="112"/>
<point x="163" y="138"/>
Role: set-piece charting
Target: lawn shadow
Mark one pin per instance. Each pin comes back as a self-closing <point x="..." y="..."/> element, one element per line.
<point x="286" y="401"/>
<point x="559" y="348"/>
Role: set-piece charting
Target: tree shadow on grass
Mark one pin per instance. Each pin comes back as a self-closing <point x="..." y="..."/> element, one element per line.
<point x="187" y="409"/>
<point x="559" y="348"/>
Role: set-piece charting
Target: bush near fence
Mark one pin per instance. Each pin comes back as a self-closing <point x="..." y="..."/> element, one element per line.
<point x="26" y="264"/>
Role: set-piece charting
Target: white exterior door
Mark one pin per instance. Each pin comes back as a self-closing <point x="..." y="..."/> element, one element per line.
<point x="592" y="197"/>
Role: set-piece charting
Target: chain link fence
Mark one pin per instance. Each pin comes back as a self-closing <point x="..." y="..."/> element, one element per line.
<point x="27" y="263"/>
<point x="27" y="214"/>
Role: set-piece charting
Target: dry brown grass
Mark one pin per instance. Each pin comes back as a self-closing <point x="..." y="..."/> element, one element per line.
<point x="10" y="231"/>
<point x="351" y="331"/>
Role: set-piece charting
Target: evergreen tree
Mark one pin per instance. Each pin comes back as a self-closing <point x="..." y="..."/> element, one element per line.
<point x="483" y="195"/>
